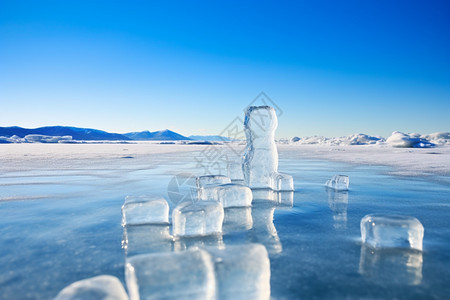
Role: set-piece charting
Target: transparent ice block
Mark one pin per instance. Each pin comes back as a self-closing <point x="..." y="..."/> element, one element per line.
<point x="149" y="209"/>
<point x="197" y="219"/>
<point x="283" y="182"/>
<point x="382" y="231"/>
<point x="261" y="155"/>
<point x="338" y="183"/>
<point x="233" y="195"/>
<point x="174" y="275"/>
<point x="103" y="287"/>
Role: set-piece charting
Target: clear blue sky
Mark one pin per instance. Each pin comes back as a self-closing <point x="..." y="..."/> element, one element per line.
<point x="334" y="67"/>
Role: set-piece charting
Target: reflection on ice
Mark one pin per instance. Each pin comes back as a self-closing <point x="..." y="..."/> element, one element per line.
<point x="264" y="230"/>
<point x="242" y="272"/>
<point x="391" y="266"/>
<point x="186" y="243"/>
<point x="338" y="202"/>
<point x="237" y="219"/>
<point x="142" y="239"/>
<point x="285" y="199"/>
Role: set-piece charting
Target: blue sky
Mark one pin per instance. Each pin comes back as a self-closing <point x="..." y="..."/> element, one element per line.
<point x="333" y="67"/>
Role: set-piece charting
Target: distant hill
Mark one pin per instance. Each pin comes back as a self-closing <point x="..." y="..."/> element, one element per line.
<point x="88" y="134"/>
<point x="217" y="138"/>
<point x="163" y="135"/>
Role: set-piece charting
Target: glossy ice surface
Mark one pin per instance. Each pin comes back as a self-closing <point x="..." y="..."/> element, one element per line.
<point x="61" y="222"/>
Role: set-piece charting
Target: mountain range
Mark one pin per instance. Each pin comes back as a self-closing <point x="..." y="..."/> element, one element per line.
<point x="88" y="134"/>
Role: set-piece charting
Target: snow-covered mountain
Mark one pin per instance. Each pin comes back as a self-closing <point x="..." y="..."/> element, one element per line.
<point x="17" y="134"/>
<point x="163" y="135"/>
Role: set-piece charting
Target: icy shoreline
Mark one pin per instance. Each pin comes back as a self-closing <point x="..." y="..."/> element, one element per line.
<point x="405" y="161"/>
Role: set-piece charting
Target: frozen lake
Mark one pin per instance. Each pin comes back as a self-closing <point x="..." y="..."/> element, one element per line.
<point x="61" y="221"/>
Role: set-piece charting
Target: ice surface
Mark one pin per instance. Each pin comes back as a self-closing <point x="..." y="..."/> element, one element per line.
<point x="382" y="231"/>
<point x="282" y="182"/>
<point x="242" y="272"/>
<point x="103" y="287"/>
<point x="338" y="183"/>
<point x="150" y="209"/>
<point x="175" y="275"/>
<point x="197" y="219"/>
<point x="140" y="239"/>
<point x="261" y="155"/>
<point x="392" y="266"/>
<point x="233" y="195"/>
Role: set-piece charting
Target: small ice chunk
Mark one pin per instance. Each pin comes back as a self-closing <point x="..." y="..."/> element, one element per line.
<point x="283" y="182"/>
<point x="175" y="275"/>
<point x="242" y="271"/>
<point x="207" y="183"/>
<point x="141" y="239"/>
<point x="197" y="219"/>
<point x="235" y="172"/>
<point x="261" y="155"/>
<point x="211" y="179"/>
<point x="103" y="287"/>
<point x="338" y="182"/>
<point x="391" y="231"/>
<point x="149" y="209"/>
<point x="233" y="195"/>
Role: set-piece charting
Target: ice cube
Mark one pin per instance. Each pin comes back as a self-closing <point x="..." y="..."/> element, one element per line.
<point x="261" y="155"/>
<point x="207" y="183"/>
<point x="242" y="271"/>
<point x="382" y="231"/>
<point x="149" y="209"/>
<point x="174" y="275"/>
<point x="103" y="287"/>
<point x="211" y="179"/>
<point x="197" y="219"/>
<point x="338" y="182"/>
<point x="391" y="266"/>
<point x="141" y="239"/>
<point x="264" y="195"/>
<point x="233" y="195"/>
<point x="282" y="182"/>
<point x="235" y="172"/>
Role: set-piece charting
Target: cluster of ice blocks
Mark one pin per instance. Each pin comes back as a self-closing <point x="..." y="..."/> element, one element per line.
<point x="231" y="272"/>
